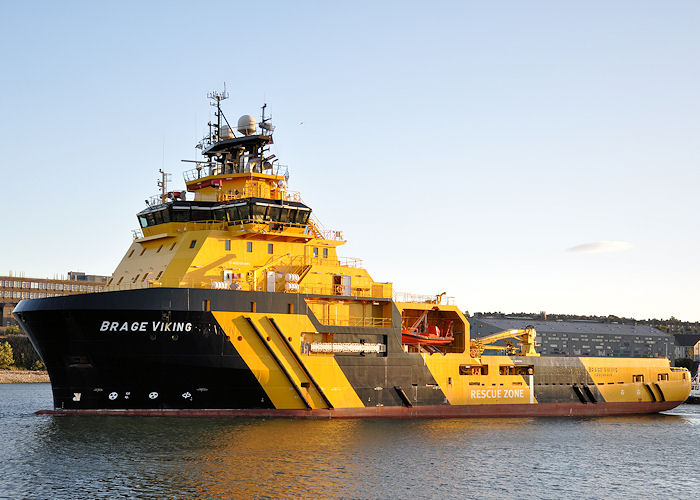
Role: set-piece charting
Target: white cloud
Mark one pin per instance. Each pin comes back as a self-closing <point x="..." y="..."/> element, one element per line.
<point x="601" y="247"/>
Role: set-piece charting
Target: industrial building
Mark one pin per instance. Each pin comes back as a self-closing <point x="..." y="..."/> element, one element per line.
<point x="583" y="337"/>
<point x="15" y="288"/>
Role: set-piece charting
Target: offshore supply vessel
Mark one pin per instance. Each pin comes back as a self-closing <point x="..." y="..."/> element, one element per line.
<point x="232" y="300"/>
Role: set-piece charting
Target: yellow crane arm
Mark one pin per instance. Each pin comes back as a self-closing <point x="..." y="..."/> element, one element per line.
<point x="526" y="336"/>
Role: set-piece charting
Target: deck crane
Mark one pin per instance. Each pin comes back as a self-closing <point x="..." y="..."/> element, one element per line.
<point x="526" y="336"/>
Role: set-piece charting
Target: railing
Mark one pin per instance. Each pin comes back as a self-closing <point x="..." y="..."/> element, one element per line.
<point x="350" y="262"/>
<point x="246" y="192"/>
<point x="196" y="173"/>
<point x="357" y="321"/>
<point x="207" y="224"/>
<point x="427" y="299"/>
<point x="292" y="196"/>
<point x="373" y="291"/>
<point x="209" y="170"/>
<point x="324" y="234"/>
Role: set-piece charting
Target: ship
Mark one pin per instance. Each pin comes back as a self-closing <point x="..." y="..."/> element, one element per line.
<point x="694" y="397"/>
<point x="232" y="300"/>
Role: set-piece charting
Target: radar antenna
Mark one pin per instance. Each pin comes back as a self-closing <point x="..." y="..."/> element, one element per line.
<point x="216" y="98"/>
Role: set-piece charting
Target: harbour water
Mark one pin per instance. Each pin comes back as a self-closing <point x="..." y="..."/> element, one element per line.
<point x="653" y="456"/>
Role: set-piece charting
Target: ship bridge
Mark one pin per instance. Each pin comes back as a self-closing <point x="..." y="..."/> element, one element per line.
<point x="238" y="227"/>
<point x="277" y="216"/>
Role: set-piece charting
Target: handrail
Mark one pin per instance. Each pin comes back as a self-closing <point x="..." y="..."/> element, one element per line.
<point x="350" y="262"/>
<point x="427" y="299"/>
<point x="218" y="169"/>
<point x="332" y="290"/>
<point x="357" y="321"/>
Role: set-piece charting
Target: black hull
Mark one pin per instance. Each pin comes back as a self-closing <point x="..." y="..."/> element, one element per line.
<point x="157" y="362"/>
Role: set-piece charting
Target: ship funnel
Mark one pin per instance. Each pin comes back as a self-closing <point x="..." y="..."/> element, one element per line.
<point x="246" y="125"/>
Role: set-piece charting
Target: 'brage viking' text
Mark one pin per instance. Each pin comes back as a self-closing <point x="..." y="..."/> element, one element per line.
<point x="143" y="326"/>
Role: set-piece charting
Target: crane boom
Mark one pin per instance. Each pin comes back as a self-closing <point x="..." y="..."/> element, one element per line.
<point x="526" y="336"/>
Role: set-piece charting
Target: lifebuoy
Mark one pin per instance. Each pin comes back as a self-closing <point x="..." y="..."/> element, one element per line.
<point x="339" y="289"/>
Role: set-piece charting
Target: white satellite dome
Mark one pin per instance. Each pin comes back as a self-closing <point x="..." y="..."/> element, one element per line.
<point x="225" y="132"/>
<point x="247" y="125"/>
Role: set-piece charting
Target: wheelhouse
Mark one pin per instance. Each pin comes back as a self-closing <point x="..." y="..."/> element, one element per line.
<point x="243" y="211"/>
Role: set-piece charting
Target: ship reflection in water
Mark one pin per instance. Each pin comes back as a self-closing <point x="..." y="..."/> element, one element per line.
<point x="154" y="457"/>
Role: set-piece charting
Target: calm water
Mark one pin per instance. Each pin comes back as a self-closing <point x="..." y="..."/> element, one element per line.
<point x="126" y="457"/>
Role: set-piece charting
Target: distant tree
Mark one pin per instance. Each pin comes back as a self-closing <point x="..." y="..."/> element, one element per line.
<point x="12" y="330"/>
<point x="22" y="350"/>
<point x="37" y="365"/>
<point x="6" y="359"/>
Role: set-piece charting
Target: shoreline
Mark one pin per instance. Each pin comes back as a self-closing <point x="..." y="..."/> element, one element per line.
<point x="23" y="376"/>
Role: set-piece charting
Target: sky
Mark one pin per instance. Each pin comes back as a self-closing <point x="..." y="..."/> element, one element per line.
<point x="520" y="156"/>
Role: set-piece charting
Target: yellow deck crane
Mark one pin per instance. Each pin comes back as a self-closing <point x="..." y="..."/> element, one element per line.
<point x="526" y="336"/>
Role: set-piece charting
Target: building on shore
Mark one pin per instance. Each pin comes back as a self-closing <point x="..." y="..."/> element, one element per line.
<point x="687" y="346"/>
<point x="583" y="337"/>
<point x="15" y="288"/>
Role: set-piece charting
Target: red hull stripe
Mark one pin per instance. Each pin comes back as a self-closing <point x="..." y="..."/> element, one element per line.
<point x="515" y="410"/>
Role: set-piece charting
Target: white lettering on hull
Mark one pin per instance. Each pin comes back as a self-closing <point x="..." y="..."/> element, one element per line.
<point x="497" y="393"/>
<point x="142" y="326"/>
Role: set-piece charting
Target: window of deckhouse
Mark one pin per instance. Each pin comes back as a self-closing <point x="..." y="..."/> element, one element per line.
<point x="244" y="212"/>
<point x="287" y="215"/>
<point x="274" y="213"/>
<point x="258" y="213"/>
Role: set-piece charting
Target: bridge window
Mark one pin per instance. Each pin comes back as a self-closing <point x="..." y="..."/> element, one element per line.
<point x="287" y="215"/>
<point x="243" y="212"/>
<point x="180" y="214"/>
<point x="200" y="214"/>
<point x="258" y="213"/>
<point x="227" y="245"/>
<point x="273" y="213"/>
<point x="219" y="214"/>
<point x="325" y="253"/>
<point x="269" y="248"/>
<point x="249" y="246"/>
